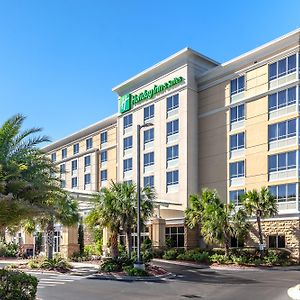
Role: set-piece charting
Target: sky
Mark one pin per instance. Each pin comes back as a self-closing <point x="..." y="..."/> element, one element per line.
<point x="60" y="59"/>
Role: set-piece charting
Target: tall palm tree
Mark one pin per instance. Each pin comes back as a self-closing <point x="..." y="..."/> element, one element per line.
<point x="219" y="221"/>
<point x="260" y="204"/>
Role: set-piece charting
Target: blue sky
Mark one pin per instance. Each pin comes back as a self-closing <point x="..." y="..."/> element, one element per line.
<point x="59" y="59"/>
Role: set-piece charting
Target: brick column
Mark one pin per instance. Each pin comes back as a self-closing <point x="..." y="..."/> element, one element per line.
<point x="191" y="237"/>
<point x="158" y="232"/>
<point x="69" y="241"/>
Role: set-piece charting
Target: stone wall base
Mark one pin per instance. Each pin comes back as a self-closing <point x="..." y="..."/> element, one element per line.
<point x="67" y="251"/>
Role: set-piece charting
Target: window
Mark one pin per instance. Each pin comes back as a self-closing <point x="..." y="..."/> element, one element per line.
<point x="127" y="121"/>
<point x="74" y="182"/>
<point x="74" y="165"/>
<point x="282" y="67"/>
<point x="282" y="130"/>
<point x="237" y="113"/>
<point x="149" y="112"/>
<point x="148" y="159"/>
<point x="276" y="241"/>
<point x="103" y="175"/>
<point x="62" y="168"/>
<point x="128" y="182"/>
<point x="284" y="192"/>
<point x="282" y="99"/>
<point x="127" y="164"/>
<point x="236" y="243"/>
<point x="172" y="102"/>
<point x="103" y="137"/>
<point x="87" y="161"/>
<point x="172" y="127"/>
<point x="103" y="156"/>
<point x="75" y="148"/>
<point x="237" y="85"/>
<point x="56" y="240"/>
<point x="87" y="178"/>
<point x="237" y="141"/>
<point x="62" y="184"/>
<point x="172" y="152"/>
<point x="237" y="169"/>
<point x="148" y="135"/>
<point x="89" y="143"/>
<point x="172" y="177"/>
<point x="282" y="161"/>
<point x="235" y="197"/>
<point x="53" y="156"/>
<point x="127" y="142"/>
<point x="175" y="237"/>
<point x="64" y="153"/>
<point x="149" y="181"/>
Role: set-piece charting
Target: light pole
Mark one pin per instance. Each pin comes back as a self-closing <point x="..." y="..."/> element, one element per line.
<point x="139" y="264"/>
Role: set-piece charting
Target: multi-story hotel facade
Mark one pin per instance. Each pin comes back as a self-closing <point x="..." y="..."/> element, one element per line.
<point x="231" y="127"/>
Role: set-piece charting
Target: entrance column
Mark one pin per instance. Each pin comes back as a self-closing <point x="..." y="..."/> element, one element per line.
<point x="158" y="233"/>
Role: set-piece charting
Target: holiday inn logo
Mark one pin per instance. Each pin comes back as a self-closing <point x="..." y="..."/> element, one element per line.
<point x="127" y="101"/>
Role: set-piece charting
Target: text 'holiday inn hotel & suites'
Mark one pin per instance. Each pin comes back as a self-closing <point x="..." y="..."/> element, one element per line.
<point x="231" y="127"/>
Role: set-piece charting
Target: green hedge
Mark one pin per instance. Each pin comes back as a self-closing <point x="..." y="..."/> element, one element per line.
<point x="16" y="285"/>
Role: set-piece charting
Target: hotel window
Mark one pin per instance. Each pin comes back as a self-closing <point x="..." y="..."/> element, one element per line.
<point x="276" y="241"/>
<point x="237" y="169"/>
<point x="149" y="112"/>
<point x="127" y="121"/>
<point x="172" y="177"/>
<point x="64" y="153"/>
<point x="128" y="182"/>
<point x="235" y="197"/>
<point x="284" y="192"/>
<point x="87" y="161"/>
<point x="237" y="85"/>
<point x="89" y="143"/>
<point x="148" y="135"/>
<point x="75" y="148"/>
<point x="148" y="159"/>
<point x="127" y="164"/>
<point x="237" y="113"/>
<point x="282" y="161"/>
<point x="282" y="67"/>
<point x="172" y="152"/>
<point x="53" y="157"/>
<point x="282" y="130"/>
<point x="237" y="141"/>
<point x="74" y="165"/>
<point x="103" y="175"/>
<point x="87" y="178"/>
<point x="62" y="168"/>
<point x="282" y="99"/>
<point x="172" y="127"/>
<point x="127" y="142"/>
<point x="103" y="137"/>
<point x="149" y="181"/>
<point x="175" y="237"/>
<point x="74" y="182"/>
<point x="172" y="102"/>
<point x="103" y="156"/>
<point x="62" y="184"/>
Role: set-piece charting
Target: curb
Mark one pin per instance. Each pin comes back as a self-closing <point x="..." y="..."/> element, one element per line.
<point x="132" y="278"/>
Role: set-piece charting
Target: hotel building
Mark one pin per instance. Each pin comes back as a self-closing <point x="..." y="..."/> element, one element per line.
<point x="231" y="127"/>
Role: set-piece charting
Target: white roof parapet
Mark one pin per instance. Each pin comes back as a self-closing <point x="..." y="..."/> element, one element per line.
<point x="109" y="121"/>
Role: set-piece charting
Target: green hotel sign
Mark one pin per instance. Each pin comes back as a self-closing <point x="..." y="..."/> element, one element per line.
<point x="128" y="101"/>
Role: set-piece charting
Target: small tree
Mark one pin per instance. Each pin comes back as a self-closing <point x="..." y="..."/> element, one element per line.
<point x="260" y="204"/>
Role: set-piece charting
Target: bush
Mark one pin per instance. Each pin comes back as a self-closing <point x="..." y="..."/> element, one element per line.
<point x="158" y="252"/>
<point x="239" y="260"/>
<point x="17" y="285"/>
<point x="110" y="266"/>
<point x="271" y="258"/>
<point x="57" y="263"/>
<point x="219" y="258"/>
<point x="8" y="250"/>
<point x="171" y="254"/>
<point x="135" y="272"/>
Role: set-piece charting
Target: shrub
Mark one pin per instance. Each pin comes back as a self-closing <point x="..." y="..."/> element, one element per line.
<point x="110" y="266"/>
<point x="57" y="263"/>
<point x="135" y="272"/>
<point x="8" y="250"/>
<point x="239" y="260"/>
<point x="219" y="258"/>
<point x="17" y="285"/>
<point x="158" y="252"/>
<point x="171" y="254"/>
<point x="271" y="258"/>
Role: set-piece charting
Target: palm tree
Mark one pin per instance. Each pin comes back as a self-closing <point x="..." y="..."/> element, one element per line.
<point x="260" y="204"/>
<point x="219" y="221"/>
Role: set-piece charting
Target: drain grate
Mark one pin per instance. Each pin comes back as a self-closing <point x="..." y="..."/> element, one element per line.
<point x="191" y="296"/>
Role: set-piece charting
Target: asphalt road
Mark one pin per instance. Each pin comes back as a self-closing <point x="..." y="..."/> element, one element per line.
<point x="190" y="283"/>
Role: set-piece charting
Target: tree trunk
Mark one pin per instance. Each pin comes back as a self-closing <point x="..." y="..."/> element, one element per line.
<point x="258" y="218"/>
<point x="50" y="239"/>
<point x="128" y="243"/>
<point x="2" y="234"/>
<point x="114" y="245"/>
